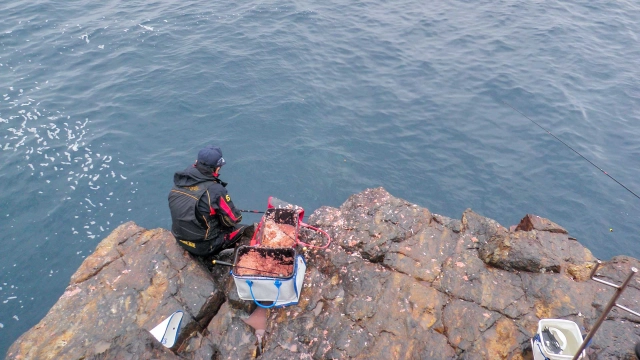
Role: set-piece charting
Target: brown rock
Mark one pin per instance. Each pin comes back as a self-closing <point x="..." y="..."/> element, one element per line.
<point x="457" y="317"/>
<point x="534" y="222"/>
<point x="615" y="340"/>
<point x="134" y="280"/>
<point x="502" y="341"/>
<point x="480" y="227"/>
<point x="397" y="283"/>
<point x="537" y="251"/>
<point x="135" y="345"/>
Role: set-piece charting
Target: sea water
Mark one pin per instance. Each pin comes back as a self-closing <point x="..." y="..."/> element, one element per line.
<point x="311" y="102"/>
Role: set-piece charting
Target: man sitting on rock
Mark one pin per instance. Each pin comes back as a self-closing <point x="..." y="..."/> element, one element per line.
<point x="204" y="219"/>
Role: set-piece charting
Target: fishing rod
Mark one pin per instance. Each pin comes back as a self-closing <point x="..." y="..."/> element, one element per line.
<point x="252" y="211"/>
<point x="218" y="262"/>
<point x="572" y="149"/>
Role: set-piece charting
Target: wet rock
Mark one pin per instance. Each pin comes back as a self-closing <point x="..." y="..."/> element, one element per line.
<point x="398" y="282"/>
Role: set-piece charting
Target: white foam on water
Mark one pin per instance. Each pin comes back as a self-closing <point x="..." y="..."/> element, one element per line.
<point x="53" y="141"/>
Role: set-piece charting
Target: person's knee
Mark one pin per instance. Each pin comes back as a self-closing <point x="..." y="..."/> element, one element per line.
<point x="240" y="231"/>
<point x="249" y="231"/>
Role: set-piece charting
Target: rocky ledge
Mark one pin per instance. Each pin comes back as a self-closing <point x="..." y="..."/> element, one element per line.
<point x="398" y="282"/>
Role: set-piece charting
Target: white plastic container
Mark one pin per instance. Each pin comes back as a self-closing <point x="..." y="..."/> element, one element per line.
<point x="567" y="334"/>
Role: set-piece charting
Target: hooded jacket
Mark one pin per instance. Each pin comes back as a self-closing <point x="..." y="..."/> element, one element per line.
<point x="201" y="209"/>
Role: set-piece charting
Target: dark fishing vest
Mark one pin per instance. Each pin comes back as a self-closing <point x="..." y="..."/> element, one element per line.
<point x="183" y="203"/>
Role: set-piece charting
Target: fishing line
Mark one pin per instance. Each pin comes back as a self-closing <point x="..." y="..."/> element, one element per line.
<point x="572" y="149"/>
<point x="252" y="211"/>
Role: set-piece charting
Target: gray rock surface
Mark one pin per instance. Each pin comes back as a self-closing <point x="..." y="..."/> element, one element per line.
<point x="398" y="282"/>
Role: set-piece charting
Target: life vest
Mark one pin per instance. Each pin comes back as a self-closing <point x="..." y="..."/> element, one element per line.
<point x="183" y="203"/>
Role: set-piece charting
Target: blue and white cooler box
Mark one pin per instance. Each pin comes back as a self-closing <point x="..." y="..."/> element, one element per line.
<point x="280" y="290"/>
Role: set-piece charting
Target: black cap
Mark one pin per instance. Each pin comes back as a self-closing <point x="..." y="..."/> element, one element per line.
<point x="211" y="156"/>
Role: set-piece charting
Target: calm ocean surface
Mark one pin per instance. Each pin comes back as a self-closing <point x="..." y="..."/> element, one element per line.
<point x="100" y="102"/>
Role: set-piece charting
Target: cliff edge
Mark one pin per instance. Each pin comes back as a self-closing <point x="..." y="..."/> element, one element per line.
<point x="398" y="282"/>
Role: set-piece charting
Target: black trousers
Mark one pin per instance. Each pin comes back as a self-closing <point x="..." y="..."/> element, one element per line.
<point x="213" y="247"/>
<point x="203" y="248"/>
